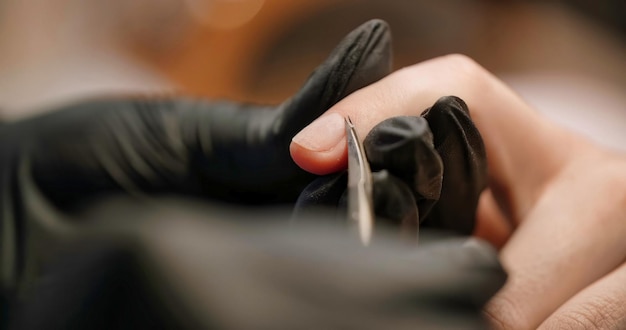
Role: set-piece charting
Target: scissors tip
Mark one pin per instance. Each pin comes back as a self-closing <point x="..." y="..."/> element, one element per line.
<point x="360" y="200"/>
<point x="349" y="121"/>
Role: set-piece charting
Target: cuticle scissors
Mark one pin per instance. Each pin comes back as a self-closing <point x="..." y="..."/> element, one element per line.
<point x="360" y="186"/>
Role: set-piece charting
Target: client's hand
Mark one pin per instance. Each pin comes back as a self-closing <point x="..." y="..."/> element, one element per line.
<point x="562" y="198"/>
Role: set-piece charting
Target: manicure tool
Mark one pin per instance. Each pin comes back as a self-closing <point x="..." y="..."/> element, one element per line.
<point x="360" y="200"/>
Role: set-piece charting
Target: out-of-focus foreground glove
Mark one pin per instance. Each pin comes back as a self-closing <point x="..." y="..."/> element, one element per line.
<point x="429" y="170"/>
<point x="178" y="265"/>
<point x="221" y="150"/>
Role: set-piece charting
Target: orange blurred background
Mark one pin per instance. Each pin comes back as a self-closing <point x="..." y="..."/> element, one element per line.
<point x="273" y="49"/>
<point x="566" y="58"/>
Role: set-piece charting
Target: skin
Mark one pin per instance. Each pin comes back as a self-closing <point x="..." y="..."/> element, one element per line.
<point x="556" y="204"/>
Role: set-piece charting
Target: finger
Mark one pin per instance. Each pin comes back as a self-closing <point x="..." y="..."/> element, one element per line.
<point x="467" y="270"/>
<point x="462" y="152"/>
<point x="599" y="306"/>
<point x="491" y="224"/>
<point x="565" y="244"/>
<point x="404" y="146"/>
<point x="502" y="118"/>
<point x="324" y="276"/>
<point x="323" y="194"/>
<point x="394" y="205"/>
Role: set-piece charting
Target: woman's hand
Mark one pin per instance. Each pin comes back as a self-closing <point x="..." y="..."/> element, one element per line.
<point x="556" y="202"/>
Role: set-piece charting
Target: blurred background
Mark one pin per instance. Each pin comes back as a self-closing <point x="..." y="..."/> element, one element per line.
<point x="567" y="58"/>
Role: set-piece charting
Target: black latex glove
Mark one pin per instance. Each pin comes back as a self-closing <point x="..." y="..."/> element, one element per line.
<point x="231" y="150"/>
<point x="439" y="158"/>
<point x="464" y="158"/>
<point x="75" y="155"/>
<point x="184" y="266"/>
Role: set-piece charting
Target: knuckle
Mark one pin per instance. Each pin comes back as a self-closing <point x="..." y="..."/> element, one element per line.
<point x="454" y="74"/>
<point x="567" y="321"/>
<point x="470" y="75"/>
<point x="460" y="60"/>
<point x="458" y="64"/>
<point x="597" y="313"/>
<point x="463" y="64"/>
<point x="503" y="313"/>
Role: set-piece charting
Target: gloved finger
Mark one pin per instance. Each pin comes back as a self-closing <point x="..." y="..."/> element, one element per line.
<point x="325" y="192"/>
<point x="394" y="205"/>
<point x="249" y="147"/>
<point x="462" y="152"/>
<point x="85" y="150"/>
<point x="221" y="149"/>
<point x="143" y="146"/>
<point x="404" y="147"/>
<point x="362" y="58"/>
<point x="393" y="202"/>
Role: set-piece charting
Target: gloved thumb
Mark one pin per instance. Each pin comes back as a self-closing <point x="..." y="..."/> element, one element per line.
<point x="361" y="58"/>
<point x="249" y="144"/>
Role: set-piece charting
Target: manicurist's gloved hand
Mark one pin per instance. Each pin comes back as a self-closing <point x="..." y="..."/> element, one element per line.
<point x="428" y="169"/>
<point x="74" y="155"/>
<point x="222" y="149"/>
<point x="187" y="266"/>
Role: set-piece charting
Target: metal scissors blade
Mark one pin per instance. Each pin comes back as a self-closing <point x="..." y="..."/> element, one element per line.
<point x="360" y="201"/>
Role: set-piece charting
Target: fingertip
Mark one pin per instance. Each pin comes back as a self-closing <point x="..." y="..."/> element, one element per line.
<point x="320" y="163"/>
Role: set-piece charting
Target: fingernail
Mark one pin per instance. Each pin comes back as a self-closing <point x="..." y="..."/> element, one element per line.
<point x="323" y="134"/>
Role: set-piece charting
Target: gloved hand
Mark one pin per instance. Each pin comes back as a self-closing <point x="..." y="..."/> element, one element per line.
<point x="75" y="155"/>
<point x="429" y="169"/>
<point x="178" y="265"/>
<point x="224" y="149"/>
